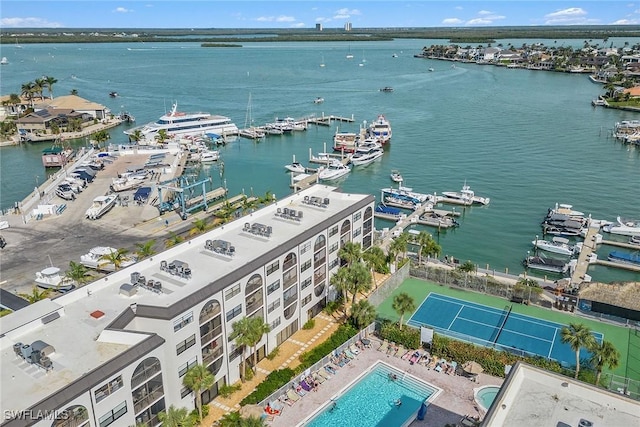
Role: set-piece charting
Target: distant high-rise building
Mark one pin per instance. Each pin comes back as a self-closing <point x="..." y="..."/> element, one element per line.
<point x="347" y="26"/>
<point x="318" y="27"/>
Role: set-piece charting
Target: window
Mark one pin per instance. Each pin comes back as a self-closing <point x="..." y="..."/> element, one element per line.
<point x="234" y="312"/>
<point x="305" y="283"/>
<point x="306" y="300"/>
<point x="289" y="261"/>
<point x="113" y="415"/>
<point x="357" y="232"/>
<point x="254" y="283"/>
<point x="235" y="290"/>
<point x="333" y="231"/>
<point x="334" y="263"/>
<point x="210" y="310"/>
<point x="275" y="266"/>
<point x="290" y="277"/>
<point x="346" y="227"/>
<point x="273" y="305"/>
<point x="273" y="287"/>
<point x="108" y="388"/>
<point x="276" y="323"/>
<point x="189" y="342"/>
<point x="185" y="367"/>
<point x="357" y="216"/>
<point x="368" y="213"/>
<point x="305" y="266"/>
<point x="333" y="247"/>
<point x="320" y="243"/>
<point x="305" y="247"/>
<point x="184" y="392"/>
<point x="234" y="352"/>
<point x="182" y="321"/>
<point x="319" y="275"/>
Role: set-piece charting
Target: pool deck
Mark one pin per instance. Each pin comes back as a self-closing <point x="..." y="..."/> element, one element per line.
<point x="455" y="400"/>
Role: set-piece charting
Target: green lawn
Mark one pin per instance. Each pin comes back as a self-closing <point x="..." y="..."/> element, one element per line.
<point x="617" y="335"/>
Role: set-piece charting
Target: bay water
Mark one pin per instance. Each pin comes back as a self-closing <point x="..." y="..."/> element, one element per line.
<point x="526" y="139"/>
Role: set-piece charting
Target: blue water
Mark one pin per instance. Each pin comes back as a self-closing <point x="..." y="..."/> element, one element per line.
<point x="483" y="324"/>
<point x="486" y="396"/>
<point x="370" y="401"/>
<point x="526" y="139"/>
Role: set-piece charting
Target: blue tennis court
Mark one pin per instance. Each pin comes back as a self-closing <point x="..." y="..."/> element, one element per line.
<point x="493" y="327"/>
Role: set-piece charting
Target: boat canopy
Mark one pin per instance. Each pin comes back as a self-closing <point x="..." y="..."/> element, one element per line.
<point x="142" y="194"/>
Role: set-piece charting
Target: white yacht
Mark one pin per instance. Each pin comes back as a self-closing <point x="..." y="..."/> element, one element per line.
<point x="176" y="123"/>
<point x="125" y="183"/>
<point x="380" y="128"/>
<point x="4" y="61"/>
<point x="96" y="258"/>
<point x="296" y="167"/>
<point x="100" y="206"/>
<point x="623" y="227"/>
<point x="209" y="156"/>
<point x="396" y="177"/>
<point x="466" y="196"/>
<point x="366" y="153"/>
<point x="333" y="170"/>
<point x="50" y="278"/>
<point x="318" y="100"/>
<point x="557" y="245"/>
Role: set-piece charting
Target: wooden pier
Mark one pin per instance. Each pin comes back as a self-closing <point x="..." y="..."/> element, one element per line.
<point x="621" y="244"/>
<point x="302" y="181"/>
<point x="260" y="132"/>
<point x="588" y="248"/>
<point x="328" y="120"/>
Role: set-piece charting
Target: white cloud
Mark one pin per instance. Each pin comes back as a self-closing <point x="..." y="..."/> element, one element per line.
<point x="570" y="16"/>
<point x="485" y="17"/>
<point x="479" y="21"/>
<point x="452" y="21"/>
<point x="345" y="13"/>
<point x="122" y="10"/>
<point x="626" y="22"/>
<point x="298" y="25"/>
<point x="283" y="18"/>
<point x="29" y="22"/>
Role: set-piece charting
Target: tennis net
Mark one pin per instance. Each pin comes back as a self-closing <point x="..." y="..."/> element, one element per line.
<point x="504" y="322"/>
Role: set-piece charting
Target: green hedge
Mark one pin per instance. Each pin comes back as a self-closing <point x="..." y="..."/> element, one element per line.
<point x="339" y="337"/>
<point x="273" y="382"/>
<point x="407" y="336"/>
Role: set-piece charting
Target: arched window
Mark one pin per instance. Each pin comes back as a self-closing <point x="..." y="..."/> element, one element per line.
<point x="290" y="311"/>
<point x="368" y="213"/>
<point x="318" y="290"/>
<point x="148" y="368"/>
<point x="346" y="227"/>
<point x="210" y="310"/>
<point x="289" y="261"/>
<point x="253" y="294"/>
<point x="320" y="243"/>
<point x="255" y="282"/>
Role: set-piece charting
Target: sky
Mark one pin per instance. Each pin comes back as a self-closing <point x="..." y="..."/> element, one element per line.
<point x="307" y="13"/>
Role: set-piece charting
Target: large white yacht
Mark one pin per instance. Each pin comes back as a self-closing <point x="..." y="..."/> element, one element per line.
<point x="366" y="153"/>
<point x="179" y="123"/>
<point x="333" y="170"/>
<point x="50" y="278"/>
<point x="98" y="259"/>
<point x="100" y="206"/>
<point x="380" y="129"/>
<point x="623" y="227"/>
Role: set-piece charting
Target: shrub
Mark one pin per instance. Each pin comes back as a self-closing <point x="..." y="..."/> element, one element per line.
<point x="407" y="336"/>
<point x="227" y="390"/>
<point x="309" y="324"/>
<point x="274" y="353"/>
<point x="339" y="337"/>
<point x="273" y="382"/>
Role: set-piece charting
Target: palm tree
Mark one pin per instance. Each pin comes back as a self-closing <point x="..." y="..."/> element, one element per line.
<point x="252" y="421"/>
<point x="162" y="136"/>
<point x="198" y="379"/>
<point x="39" y="86"/>
<point x="257" y="329"/>
<point x="136" y="135"/>
<point x="249" y="204"/>
<point x="241" y="334"/>
<point x="350" y="253"/>
<point x="398" y="246"/>
<point x="27" y="91"/>
<point x="374" y="258"/>
<point x="36" y="295"/>
<point x="403" y="304"/>
<point x="78" y="273"/>
<point x="268" y="198"/>
<point x="145" y="249"/>
<point x="116" y="257"/>
<point x="199" y="226"/>
<point x="362" y="313"/>
<point x="578" y="336"/>
<point x="340" y="281"/>
<point x="426" y="245"/>
<point x="359" y="280"/>
<point x="175" y="417"/>
<point x="231" y="419"/>
<point x="174" y="239"/>
<point x="603" y="354"/>
<point x="48" y="83"/>
<point x="101" y="136"/>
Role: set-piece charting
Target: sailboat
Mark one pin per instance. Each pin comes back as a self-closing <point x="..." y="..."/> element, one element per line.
<point x="18" y="46"/>
<point x="322" y="63"/>
<point x="249" y="130"/>
<point x="349" y="55"/>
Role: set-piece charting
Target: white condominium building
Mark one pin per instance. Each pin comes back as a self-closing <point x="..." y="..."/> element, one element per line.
<point x="114" y="352"/>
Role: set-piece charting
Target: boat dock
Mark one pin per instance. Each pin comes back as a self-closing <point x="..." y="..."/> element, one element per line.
<point x="305" y="180"/>
<point x="621" y="244"/>
<point x="328" y="120"/>
<point x="584" y="259"/>
<point x="259" y="132"/>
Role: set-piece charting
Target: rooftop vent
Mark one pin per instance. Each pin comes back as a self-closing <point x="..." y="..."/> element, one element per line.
<point x="258" y="229"/>
<point x="176" y="268"/>
<point x="97" y="314"/>
<point x="316" y="201"/>
<point x="128" y="289"/>
<point x="585" y="423"/>
<point x="37" y="353"/>
<point x="291" y="214"/>
<point x="220" y="247"/>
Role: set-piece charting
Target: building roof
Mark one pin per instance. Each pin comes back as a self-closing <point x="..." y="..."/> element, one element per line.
<point x="533" y="397"/>
<point x="72" y="102"/>
<point x="625" y="296"/>
<point x="84" y="341"/>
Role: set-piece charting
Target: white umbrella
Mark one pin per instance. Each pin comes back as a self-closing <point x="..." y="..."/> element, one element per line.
<point x="472" y="367"/>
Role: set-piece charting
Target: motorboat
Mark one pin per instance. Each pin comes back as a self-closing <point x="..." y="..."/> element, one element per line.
<point x="209" y="156"/>
<point x="466" y="196"/>
<point x="557" y="245"/>
<point x="367" y="153"/>
<point x="406" y="193"/>
<point x="4" y="61"/>
<point x="56" y="156"/>
<point x="400" y="202"/>
<point x="634" y="240"/>
<point x="380" y="128"/>
<point x="126" y="117"/>
<point x="623" y="227"/>
<point x="550" y="265"/>
<point x="318" y="100"/>
<point x="333" y="170"/>
<point x="50" y="278"/>
<point x="434" y="219"/>
<point x="100" y="206"/>
<point x="296" y="167"/>
<point x="386" y="89"/>
<point x="431" y="69"/>
<point x="320" y="158"/>
<point x="566" y="209"/>
<point x="396" y="177"/>
<point x="97" y="259"/>
<point x="124" y="184"/>
<point x="347" y="142"/>
<point x="395" y="55"/>
<point x="387" y="212"/>
<point x="624" y="257"/>
<point x="66" y="193"/>
<point x="176" y="123"/>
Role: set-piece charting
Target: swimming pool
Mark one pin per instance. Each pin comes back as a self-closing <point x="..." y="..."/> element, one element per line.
<point x="486" y="395"/>
<point x="370" y="400"/>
